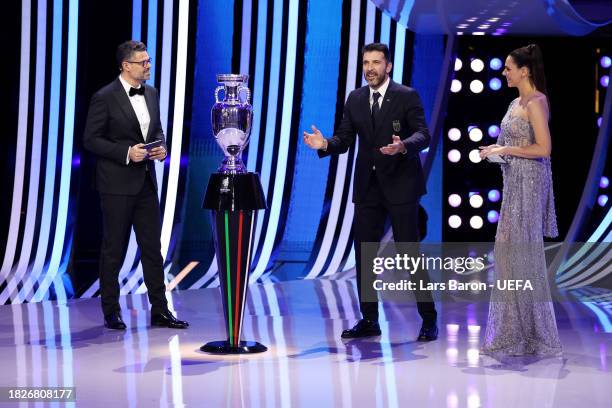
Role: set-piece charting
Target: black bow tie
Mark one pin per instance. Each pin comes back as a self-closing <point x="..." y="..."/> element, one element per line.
<point x="137" y="91"/>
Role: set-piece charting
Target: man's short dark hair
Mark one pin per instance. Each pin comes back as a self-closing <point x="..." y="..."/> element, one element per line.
<point x="377" y="47"/>
<point x="126" y="50"/>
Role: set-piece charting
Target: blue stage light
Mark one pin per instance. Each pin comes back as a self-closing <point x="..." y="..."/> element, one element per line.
<point x="495" y="84"/>
<point x="494" y="130"/>
<point x="492" y="216"/>
<point x="494" y="196"/>
<point x="495" y="64"/>
<point x="604" y="182"/>
<point x="604" y="81"/>
<point x="605" y="61"/>
<point x="602" y="200"/>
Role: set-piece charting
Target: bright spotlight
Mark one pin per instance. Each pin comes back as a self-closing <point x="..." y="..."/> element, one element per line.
<point x="476" y="201"/>
<point x="605" y="61"/>
<point x="477" y="65"/>
<point x="476" y="86"/>
<point x="475" y="156"/>
<point x="476" y="222"/>
<point x="455" y="86"/>
<point x="475" y="134"/>
<point x="454" y="155"/>
<point x="454" y="134"/>
<point x="494" y="196"/>
<point x="454" y="200"/>
<point x="458" y="64"/>
<point x="604" y="182"/>
<point x="454" y="221"/>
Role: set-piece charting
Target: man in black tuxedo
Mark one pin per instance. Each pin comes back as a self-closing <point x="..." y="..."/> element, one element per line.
<point x="123" y="116"/>
<point x="388" y="180"/>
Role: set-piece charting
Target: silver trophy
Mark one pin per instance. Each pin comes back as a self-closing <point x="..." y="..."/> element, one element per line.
<point x="231" y="120"/>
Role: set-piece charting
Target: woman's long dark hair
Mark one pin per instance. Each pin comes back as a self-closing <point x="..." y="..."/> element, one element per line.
<point x="531" y="57"/>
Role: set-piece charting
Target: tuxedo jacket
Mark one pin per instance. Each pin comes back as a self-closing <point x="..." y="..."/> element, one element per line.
<point x="400" y="176"/>
<point x="112" y="127"/>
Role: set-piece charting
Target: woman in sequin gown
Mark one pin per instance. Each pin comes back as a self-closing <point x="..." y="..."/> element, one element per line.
<point x="523" y="322"/>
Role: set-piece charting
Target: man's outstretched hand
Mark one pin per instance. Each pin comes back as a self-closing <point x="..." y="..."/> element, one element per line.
<point x="394" y="148"/>
<point x="315" y="140"/>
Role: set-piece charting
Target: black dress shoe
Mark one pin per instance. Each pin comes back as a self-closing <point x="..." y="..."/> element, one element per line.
<point x="428" y="332"/>
<point x="114" y="321"/>
<point x="363" y="328"/>
<point x="167" y="319"/>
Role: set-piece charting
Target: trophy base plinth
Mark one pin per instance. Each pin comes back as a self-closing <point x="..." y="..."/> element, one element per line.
<point x="224" y="347"/>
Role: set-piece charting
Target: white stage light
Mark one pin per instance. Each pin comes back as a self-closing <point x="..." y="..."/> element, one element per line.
<point x="454" y="134"/>
<point x="454" y="155"/>
<point x="475" y="134"/>
<point x="476" y="222"/>
<point x="476" y="200"/>
<point x="454" y="221"/>
<point x="476" y="86"/>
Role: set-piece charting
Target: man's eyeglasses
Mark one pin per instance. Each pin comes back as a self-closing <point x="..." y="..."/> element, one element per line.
<point x="143" y="63"/>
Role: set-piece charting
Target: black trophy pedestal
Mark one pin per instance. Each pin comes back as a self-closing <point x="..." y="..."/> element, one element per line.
<point x="234" y="200"/>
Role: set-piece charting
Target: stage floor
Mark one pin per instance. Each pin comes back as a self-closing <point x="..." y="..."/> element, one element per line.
<point x="307" y="364"/>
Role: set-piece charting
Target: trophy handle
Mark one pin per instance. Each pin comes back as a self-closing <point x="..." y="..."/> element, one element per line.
<point x="247" y="92"/>
<point x="217" y="90"/>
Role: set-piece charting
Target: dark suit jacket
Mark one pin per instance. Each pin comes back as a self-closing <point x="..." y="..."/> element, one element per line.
<point x="400" y="176"/>
<point x="112" y="127"/>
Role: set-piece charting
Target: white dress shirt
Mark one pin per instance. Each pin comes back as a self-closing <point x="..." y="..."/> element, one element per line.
<point x="381" y="90"/>
<point x="139" y="104"/>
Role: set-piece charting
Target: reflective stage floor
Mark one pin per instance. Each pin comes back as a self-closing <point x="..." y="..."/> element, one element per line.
<point x="307" y="364"/>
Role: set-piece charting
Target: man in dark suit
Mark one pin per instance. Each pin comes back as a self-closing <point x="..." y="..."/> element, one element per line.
<point x="123" y="116"/>
<point x="388" y="180"/>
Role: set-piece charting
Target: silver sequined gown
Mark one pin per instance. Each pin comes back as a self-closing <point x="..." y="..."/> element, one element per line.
<point x="522" y="321"/>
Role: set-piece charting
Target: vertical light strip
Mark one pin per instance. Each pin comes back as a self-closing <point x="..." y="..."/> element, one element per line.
<point x="280" y="343"/>
<point x="245" y="42"/>
<point x="66" y="344"/>
<point x="386" y="349"/>
<point x="152" y="50"/>
<point x="39" y="101"/>
<point x="349" y="212"/>
<point x="66" y="166"/>
<point x="400" y="47"/>
<point x="248" y="263"/>
<point x="164" y="103"/>
<point x="177" y="125"/>
<point x="385" y="28"/>
<point x="336" y="202"/>
<point x="283" y="146"/>
<point x="260" y="62"/>
<point x="177" y="371"/>
<point x="228" y="272"/>
<point x="54" y="102"/>
<point x="269" y="146"/>
<point x="152" y="37"/>
<point x="136" y="19"/>
<point x="22" y="137"/>
<point x="238" y="272"/>
<point x="130" y="258"/>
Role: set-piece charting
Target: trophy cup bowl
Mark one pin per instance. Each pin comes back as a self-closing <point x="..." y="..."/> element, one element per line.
<point x="231" y="120"/>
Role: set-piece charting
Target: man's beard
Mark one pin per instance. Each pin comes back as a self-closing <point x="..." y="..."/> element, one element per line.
<point x="375" y="81"/>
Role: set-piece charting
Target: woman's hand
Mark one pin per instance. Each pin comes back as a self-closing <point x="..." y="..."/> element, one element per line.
<point x="492" y="150"/>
